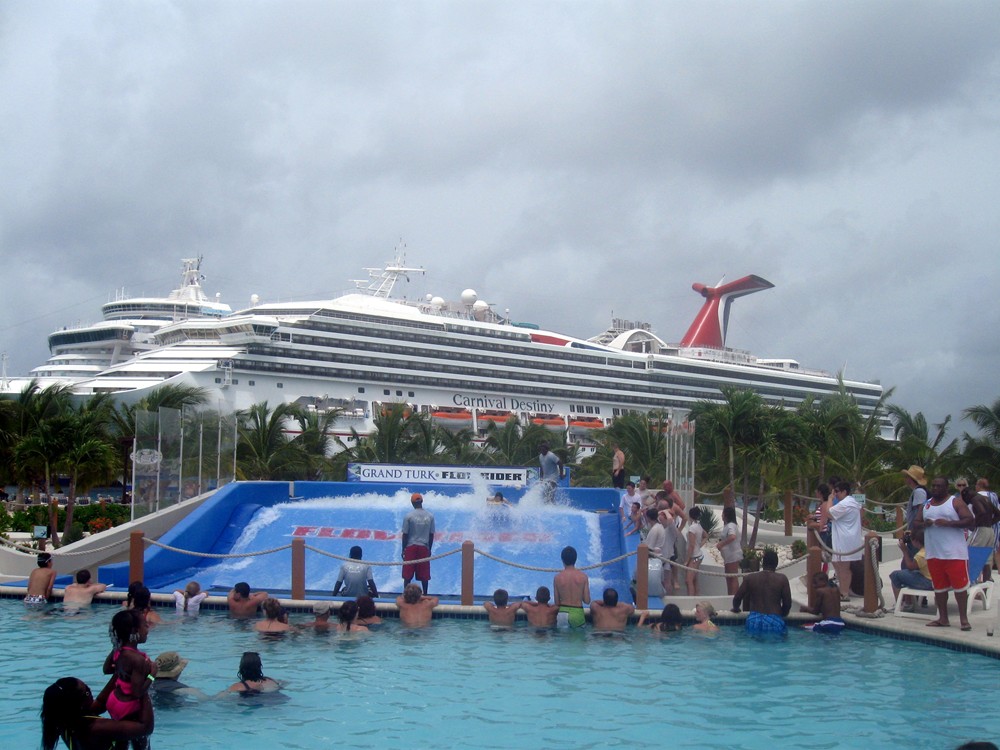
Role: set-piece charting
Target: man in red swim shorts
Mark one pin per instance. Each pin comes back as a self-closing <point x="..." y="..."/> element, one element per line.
<point x="418" y="538"/>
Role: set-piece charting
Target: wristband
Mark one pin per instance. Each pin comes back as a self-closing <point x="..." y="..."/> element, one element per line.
<point x="150" y="678"/>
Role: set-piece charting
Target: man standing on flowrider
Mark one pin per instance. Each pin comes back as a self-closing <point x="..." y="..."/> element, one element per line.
<point x="550" y="471"/>
<point x="418" y="538"/>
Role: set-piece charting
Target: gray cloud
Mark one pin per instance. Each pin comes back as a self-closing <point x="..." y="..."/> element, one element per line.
<point x="566" y="160"/>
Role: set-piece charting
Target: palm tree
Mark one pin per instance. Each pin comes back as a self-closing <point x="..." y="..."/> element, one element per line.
<point x="987" y="419"/>
<point x="458" y="447"/>
<point x="866" y="458"/>
<point x="982" y="452"/>
<point x="264" y="450"/>
<point x="916" y="445"/>
<point x="731" y="425"/>
<point x="826" y="426"/>
<point x="35" y="416"/>
<point x="775" y="455"/>
<point x="315" y="440"/>
<point x="89" y="455"/>
<point x="642" y="437"/>
<point x="514" y="444"/>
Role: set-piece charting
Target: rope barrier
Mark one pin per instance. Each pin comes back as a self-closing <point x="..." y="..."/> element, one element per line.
<point x="553" y="570"/>
<point x="390" y="563"/>
<point x="214" y="556"/>
<point x="60" y="553"/>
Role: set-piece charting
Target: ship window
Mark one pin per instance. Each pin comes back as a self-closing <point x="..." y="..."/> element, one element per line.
<point x="281" y="385"/>
<point x="251" y="382"/>
<point x="410" y="394"/>
<point x="218" y="380"/>
<point x="399" y="393"/>
<point x="361" y="389"/>
<point x="386" y="392"/>
<point x="597" y="410"/>
<point x="236" y="381"/>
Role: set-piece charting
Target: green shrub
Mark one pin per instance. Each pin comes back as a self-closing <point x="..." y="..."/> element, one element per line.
<point x="75" y="534"/>
<point x="798" y="549"/>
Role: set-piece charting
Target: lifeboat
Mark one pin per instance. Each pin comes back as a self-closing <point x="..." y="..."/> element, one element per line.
<point x="452" y="418"/>
<point x="499" y="418"/>
<point x="584" y="425"/>
<point x="549" y="421"/>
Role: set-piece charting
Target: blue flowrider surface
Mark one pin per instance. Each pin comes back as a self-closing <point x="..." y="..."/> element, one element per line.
<point x="525" y="536"/>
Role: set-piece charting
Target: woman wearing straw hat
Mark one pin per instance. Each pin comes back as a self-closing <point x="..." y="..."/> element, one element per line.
<point x="916" y="480"/>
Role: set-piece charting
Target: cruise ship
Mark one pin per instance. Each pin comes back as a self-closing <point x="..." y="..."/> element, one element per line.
<point x="127" y="328"/>
<point x="460" y="362"/>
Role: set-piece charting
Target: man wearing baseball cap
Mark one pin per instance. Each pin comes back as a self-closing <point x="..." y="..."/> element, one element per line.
<point x="418" y="538"/>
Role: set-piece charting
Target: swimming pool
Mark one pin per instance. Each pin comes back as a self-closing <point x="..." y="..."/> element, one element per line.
<point x="460" y="684"/>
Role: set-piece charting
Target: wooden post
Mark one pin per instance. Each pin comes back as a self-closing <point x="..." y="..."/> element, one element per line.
<point x="298" y="568"/>
<point x="788" y="512"/>
<point x="900" y="520"/>
<point x="642" y="577"/>
<point x="136" y="556"/>
<point x="468" y="572"/>
<point x="871" y="596"/>
<point x="814" y="564"/>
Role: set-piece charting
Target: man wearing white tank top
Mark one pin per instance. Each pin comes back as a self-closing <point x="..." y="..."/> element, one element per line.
<point x="944" y="519"/>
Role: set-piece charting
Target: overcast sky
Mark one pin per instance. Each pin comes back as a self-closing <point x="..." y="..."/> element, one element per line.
<point x="565" y="159"/>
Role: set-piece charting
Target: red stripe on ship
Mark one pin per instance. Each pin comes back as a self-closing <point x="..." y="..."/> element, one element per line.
<point x="542" y="338"/>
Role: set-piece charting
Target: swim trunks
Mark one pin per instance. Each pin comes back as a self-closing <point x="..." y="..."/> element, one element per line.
<point x="421" y="570"/>
<point x="761" y="624"/>
<point x="571" y="617"/>
<point x="35" y="600"/>
<point x="830" y="625"/>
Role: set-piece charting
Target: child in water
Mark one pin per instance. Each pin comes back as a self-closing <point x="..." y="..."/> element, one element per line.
<point x="827" y="599"/>
<point x="189" y="600"/>
<point x="133" y="671"/>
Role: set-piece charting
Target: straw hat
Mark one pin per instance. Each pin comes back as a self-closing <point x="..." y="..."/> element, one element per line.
<point x="169" y="665"/>
<point x="916" y="473"/>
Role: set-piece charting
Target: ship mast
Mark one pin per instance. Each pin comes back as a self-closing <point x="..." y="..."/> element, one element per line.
<point x="380" y="281"/>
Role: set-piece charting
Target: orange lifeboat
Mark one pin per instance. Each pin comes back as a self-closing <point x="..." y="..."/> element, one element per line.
<point x="549" y="421"/>
<point x="499" y="418"/>
<point x="585" y="425"/>
<point x="452" y="418"/>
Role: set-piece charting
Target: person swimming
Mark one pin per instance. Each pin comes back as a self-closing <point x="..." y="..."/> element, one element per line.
<point x="251" y="678"/>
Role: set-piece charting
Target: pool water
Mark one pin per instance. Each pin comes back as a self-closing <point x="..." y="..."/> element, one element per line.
<point x="458" y="683"/>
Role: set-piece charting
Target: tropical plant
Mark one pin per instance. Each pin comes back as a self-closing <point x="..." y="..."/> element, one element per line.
<point x="264" y="450"/>
<point x="729" y="428"/>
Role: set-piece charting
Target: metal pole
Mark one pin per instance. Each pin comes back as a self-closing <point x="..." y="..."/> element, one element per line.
<point x="180" y="472"/>
<point x="218" y="454"/>
<point x="135" y="444"/>
<point x="159" y="451"/>
<point x="236" y="438"/>
<point x="201" y="450"/>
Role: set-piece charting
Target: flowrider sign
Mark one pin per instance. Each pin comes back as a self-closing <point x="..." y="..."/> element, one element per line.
<point x="504" y="476"/>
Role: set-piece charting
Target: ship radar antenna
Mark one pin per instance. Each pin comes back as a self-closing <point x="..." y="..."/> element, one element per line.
<point x="380" y="281"/>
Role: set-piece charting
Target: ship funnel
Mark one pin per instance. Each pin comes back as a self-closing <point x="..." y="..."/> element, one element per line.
<point x="712" y="322"/>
